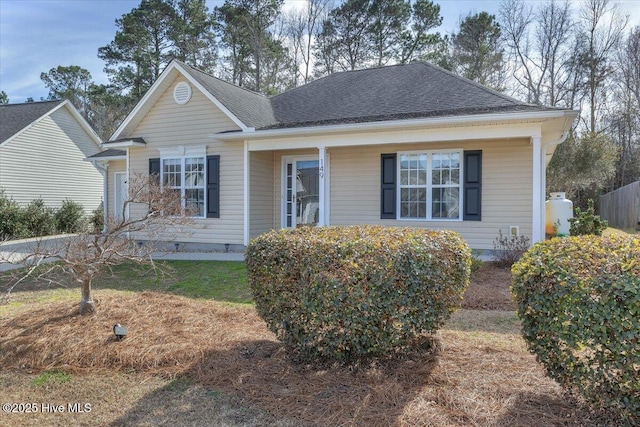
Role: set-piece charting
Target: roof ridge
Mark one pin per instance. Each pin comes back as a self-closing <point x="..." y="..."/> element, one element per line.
<point x="478" y="85"/>
<point x="220" y="79"/>
<point x="15" y="104"/>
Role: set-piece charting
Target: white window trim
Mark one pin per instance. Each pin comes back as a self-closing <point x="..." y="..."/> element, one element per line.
<point x="429" y="186"/>
<point x="182" y="153"/>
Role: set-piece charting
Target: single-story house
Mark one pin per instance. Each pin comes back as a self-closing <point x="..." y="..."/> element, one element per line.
<point x="402" y="145"/>
<point x="42" y="150"/>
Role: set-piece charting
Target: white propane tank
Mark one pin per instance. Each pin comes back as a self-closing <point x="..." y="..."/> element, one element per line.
<point x="557" y="210"/>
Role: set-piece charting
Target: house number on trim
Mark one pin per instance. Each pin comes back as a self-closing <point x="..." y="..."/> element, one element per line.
<point x="321" y="169"/>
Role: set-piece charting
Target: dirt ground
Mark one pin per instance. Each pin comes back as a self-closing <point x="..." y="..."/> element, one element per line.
<point x="489" y="289"/>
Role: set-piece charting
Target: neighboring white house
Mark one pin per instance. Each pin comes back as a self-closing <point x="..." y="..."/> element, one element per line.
<point x="403" y="145"/>
<point x="42" y="150"/>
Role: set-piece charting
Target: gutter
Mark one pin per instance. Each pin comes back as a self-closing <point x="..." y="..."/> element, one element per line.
<point x="393" y="124"/>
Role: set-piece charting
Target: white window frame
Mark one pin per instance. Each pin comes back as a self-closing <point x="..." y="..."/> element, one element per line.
<point x="182" y="154"/>
<point x="429" y="186"/>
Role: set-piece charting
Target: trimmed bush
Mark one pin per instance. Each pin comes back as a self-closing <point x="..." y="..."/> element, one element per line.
<point x="344" y="294"/>
<point x="579" y="302"/>
<point x="38" y="219"/>
<point x="70" y="217"/>
<point x="97" y="218"/>
<point x="11" y="225"/>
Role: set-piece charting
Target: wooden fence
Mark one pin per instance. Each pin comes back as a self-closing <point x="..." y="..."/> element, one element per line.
<point x="622" y="206"/>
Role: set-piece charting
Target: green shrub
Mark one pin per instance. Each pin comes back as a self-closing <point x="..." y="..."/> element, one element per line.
<point x="579" y="302"/>
<point x="97" y="218"/>
<point x="70" y="217"/>
<point x="11" y="226"/>
<point x="344" y="294"/>
<point x="38" y="219"/>
<point x="587" y="222"/>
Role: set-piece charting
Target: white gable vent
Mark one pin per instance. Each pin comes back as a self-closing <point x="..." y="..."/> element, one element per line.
<point x="182" y="93"/>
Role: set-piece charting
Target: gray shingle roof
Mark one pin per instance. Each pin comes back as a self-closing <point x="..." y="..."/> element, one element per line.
<point x="252" y="108"/>
<point x="387" y="93"/>
<point x="15" y="117"/>
<point x="395" y="92"/>
<point x="111" y="152"/>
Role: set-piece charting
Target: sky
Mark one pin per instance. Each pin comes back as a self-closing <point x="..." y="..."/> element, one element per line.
<point x="37" y="35"/>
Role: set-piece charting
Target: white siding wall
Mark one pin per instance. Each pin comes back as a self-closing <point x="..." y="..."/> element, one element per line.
<point x="262" y="182"/>
<point x="506" y="189"/>
<point x="170" y="125"/>
<point x="46" y="161"/>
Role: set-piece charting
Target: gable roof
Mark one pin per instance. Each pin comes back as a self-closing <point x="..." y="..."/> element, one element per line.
<point x="396" y="92"/>
<point x="393" y="92"/>
<point x="16" y="117"/>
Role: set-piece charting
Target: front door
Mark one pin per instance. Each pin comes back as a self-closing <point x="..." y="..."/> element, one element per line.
<point x="120" y="193"/>
<point x="301" y="187"/>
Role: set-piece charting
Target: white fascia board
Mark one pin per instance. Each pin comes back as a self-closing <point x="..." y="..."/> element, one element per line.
<point x="400" y="135"/>
<point x="124" y="143"/>
<point x="435" y="123"/>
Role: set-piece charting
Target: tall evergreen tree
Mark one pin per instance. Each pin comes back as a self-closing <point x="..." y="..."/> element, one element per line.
<point x="244" y="28"/>
<point x="477" y="50"/>
<point x="141" y="48"/>
<point x="69" y="82"/>
<point x="193" y="36"/>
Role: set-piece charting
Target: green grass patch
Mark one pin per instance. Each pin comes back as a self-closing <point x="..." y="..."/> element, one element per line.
<point x="215" y="280"/>
<point x="48" y="377"/>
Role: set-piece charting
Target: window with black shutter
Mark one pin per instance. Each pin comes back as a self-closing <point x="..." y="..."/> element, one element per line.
<point x="213" y="186"/>
<point x="472" y="186"/>
<point x="388" y="186"/>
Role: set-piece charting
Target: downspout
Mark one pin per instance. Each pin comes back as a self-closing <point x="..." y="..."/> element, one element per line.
<point x="545" y="147"/>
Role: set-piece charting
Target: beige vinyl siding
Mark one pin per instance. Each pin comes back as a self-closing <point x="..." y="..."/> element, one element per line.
<point x="261" y="202"/>
<point x="114" y="166"/>
<point x="506" y="188"/>
<point x="171" y="125"/>
<point x="46" y="161"/>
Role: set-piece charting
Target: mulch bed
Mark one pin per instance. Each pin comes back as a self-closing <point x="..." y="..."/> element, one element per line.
<point x="489" y="289"/>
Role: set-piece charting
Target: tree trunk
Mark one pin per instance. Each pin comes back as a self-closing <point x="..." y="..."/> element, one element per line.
<point x="87" y="305"/>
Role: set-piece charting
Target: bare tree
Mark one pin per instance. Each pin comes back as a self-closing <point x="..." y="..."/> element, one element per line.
<point x="601" y="29"/>
<point x="301" y="26"/>
<point x="540" y="45"/>
<point x="149" y="214"/>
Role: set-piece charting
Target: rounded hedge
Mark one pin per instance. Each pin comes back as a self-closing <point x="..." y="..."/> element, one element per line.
<point x="579" y="302"/>
<point x="348" y="293"/>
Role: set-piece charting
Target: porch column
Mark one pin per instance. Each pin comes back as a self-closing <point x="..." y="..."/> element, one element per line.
<point x="538" y="191"/>
<point x="245" y="193"/>
<point x="322" y="154"/>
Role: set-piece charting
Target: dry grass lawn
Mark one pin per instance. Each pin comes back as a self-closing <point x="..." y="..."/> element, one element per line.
<point x="200" y="362"/>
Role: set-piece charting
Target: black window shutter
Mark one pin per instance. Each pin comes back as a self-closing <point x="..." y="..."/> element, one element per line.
<point x="472" y="185"/>
<point x="388" y="186"/>
<point x="154" y="168"/>
<point x="213" y="186"/>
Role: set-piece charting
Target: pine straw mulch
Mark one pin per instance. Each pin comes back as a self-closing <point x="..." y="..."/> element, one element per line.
<point x="476" y="377"/>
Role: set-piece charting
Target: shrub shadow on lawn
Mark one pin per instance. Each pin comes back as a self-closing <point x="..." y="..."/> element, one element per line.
<point x="183" y="403"/>
<point x="544" y="410"/>
<point x="260" y="372"/>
